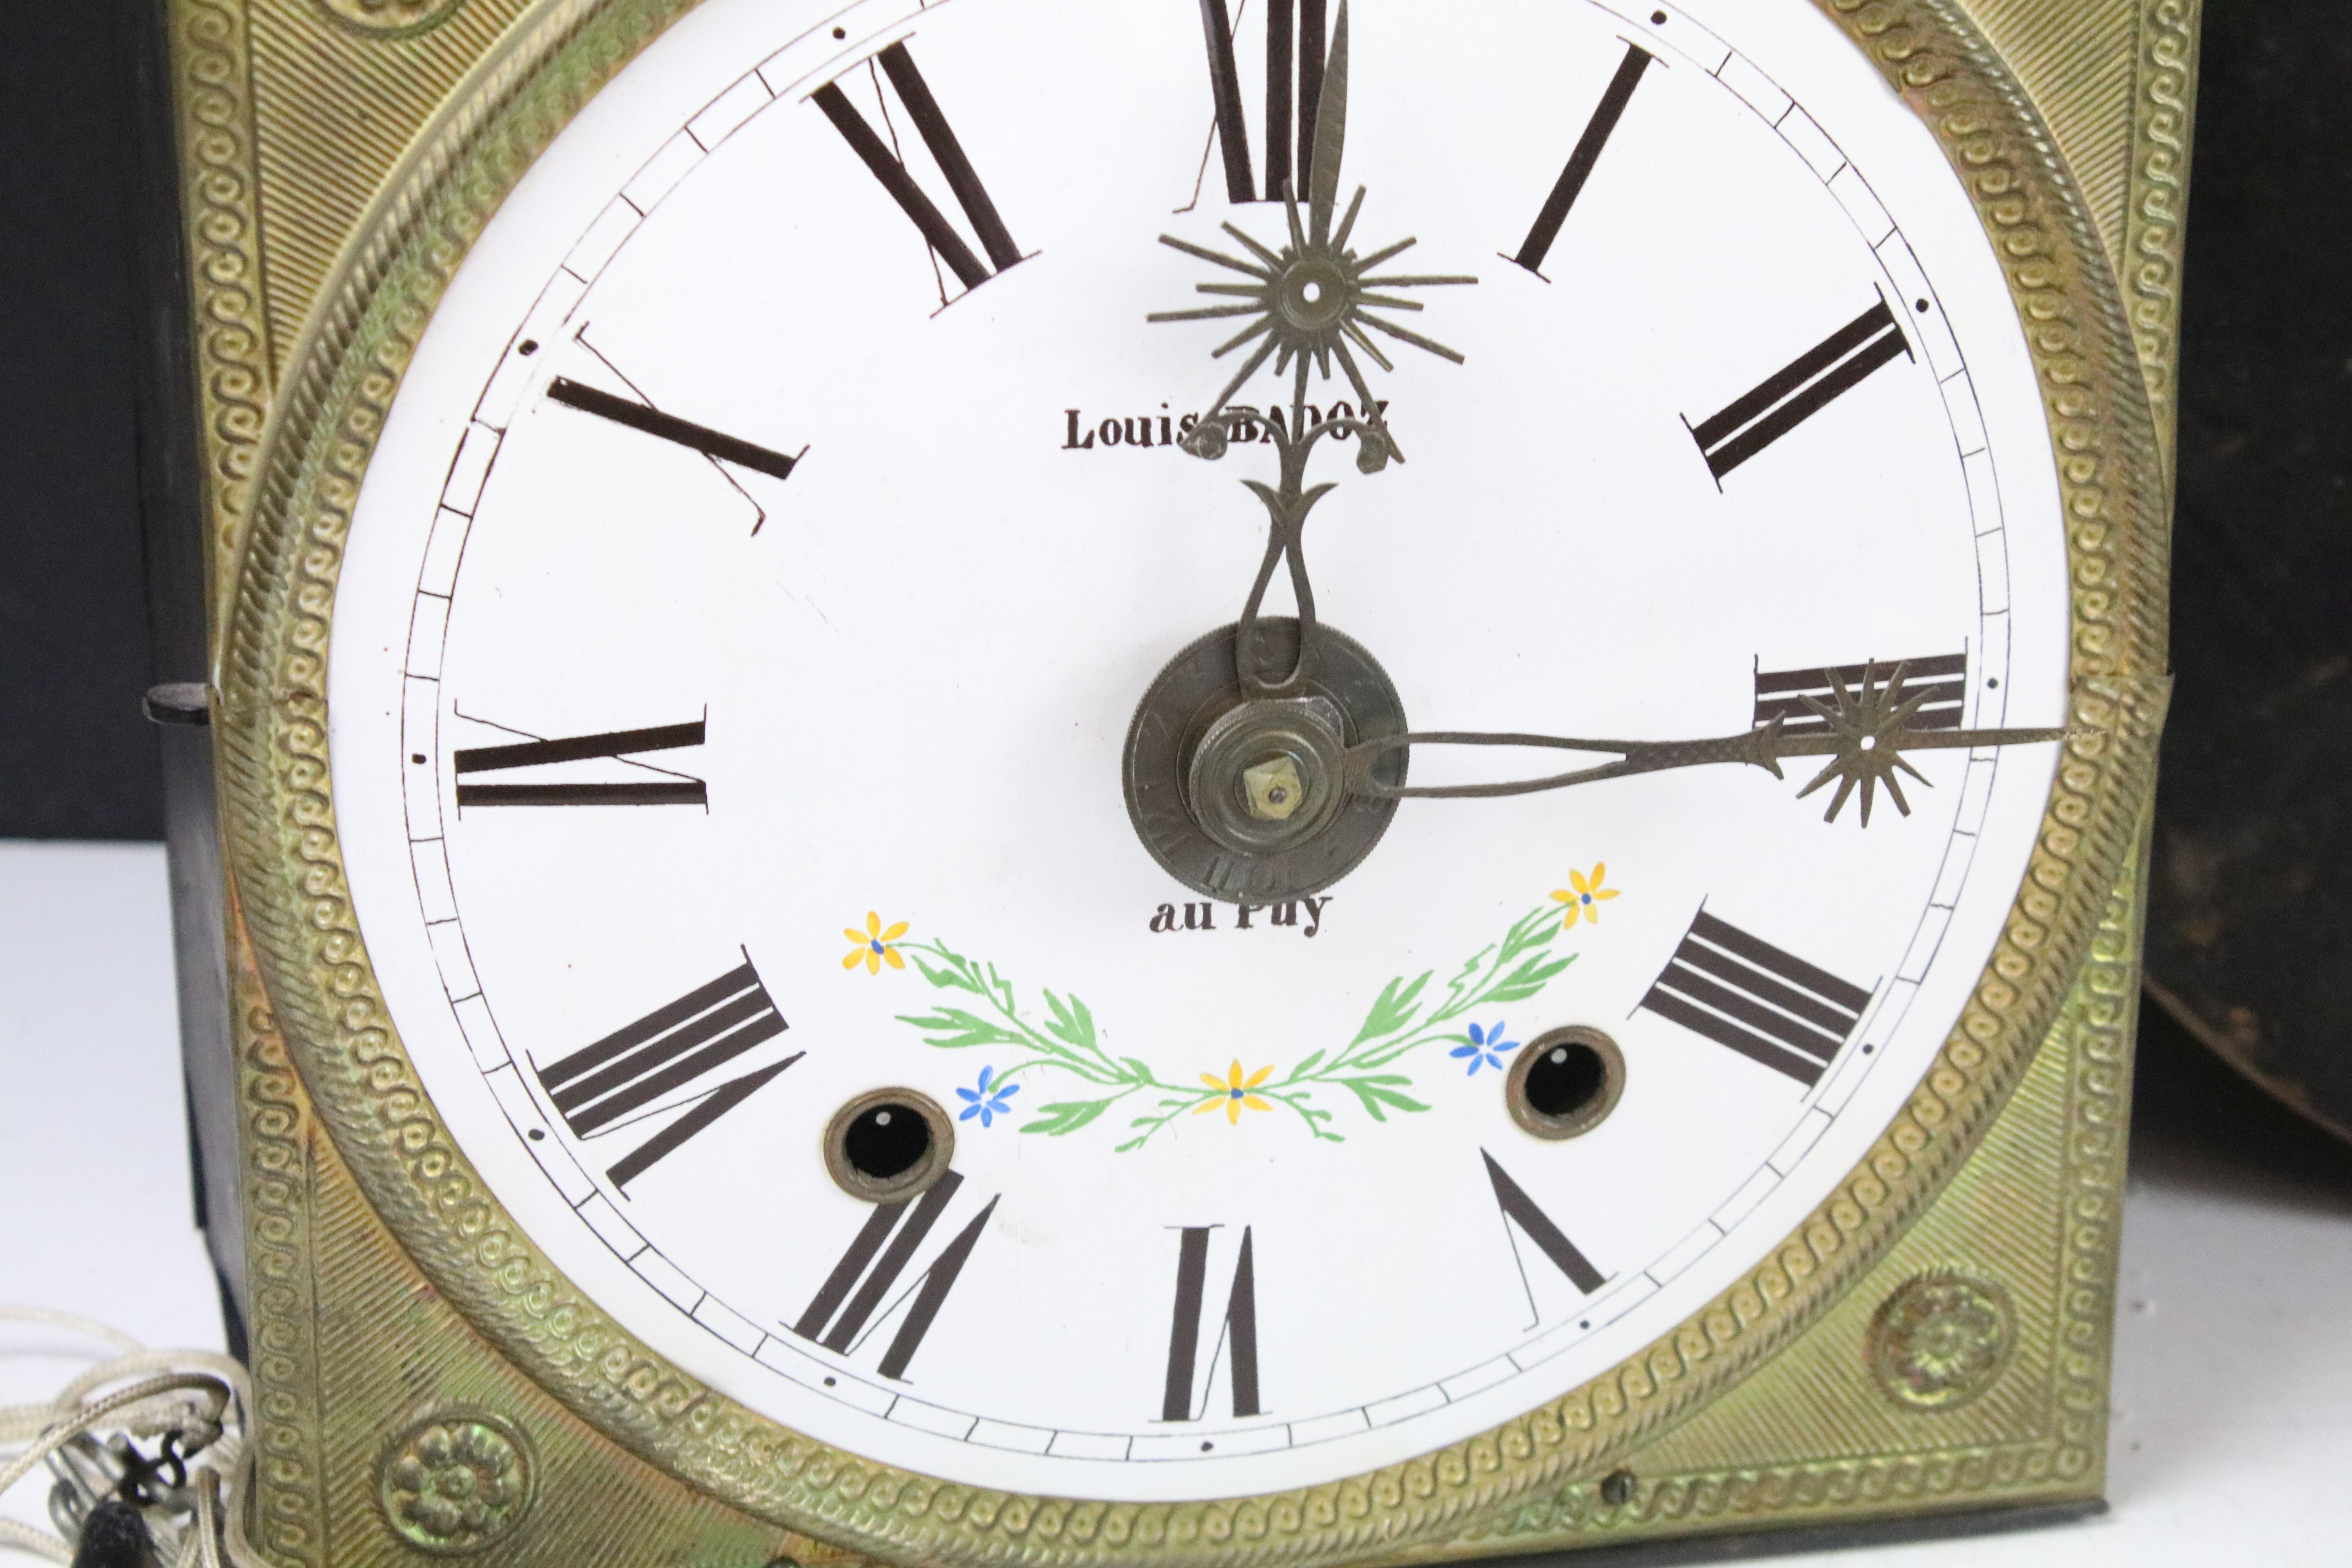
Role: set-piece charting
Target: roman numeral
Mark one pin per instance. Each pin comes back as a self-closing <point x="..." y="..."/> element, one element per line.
<point x="1770" y="1006"/>
<point x="670" y="1047"/>
<point x="924" y="110"/>
<point x="685" y="433"/>
<point x="1239" y="1330"/>
<point x="1817" y="378"/>
<point x="1513" y="1200"/>
<point x="677" y="789"/>
<point x="1571" y="184"/>
<point x="836" y="1318"/>
<point x="1293" y="32"/>
<point x="1780" y="694"/>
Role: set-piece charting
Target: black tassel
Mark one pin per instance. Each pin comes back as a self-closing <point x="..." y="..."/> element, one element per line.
<point x="115" y="1536"/>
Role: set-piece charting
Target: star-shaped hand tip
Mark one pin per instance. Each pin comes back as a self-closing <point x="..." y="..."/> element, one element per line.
<point x="1869" y="728"/>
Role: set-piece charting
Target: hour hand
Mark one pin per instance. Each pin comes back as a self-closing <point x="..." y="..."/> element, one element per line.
<point x="1865" y="736"/>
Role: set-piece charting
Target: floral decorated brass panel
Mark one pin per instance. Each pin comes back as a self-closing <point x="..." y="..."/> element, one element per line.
<point x="293" y="513"/>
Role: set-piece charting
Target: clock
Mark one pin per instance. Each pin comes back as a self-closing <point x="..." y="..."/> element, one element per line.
<point x="1019" y="782"/>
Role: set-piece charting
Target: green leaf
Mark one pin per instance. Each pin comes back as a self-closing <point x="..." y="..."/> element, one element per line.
<point x="1142" y="1071"/>
<point x="1375" y="1091"/>
<point x="1529" y="978"/>
<point x="1462" y="990"/>
<point x="1384" y="1054"/>
<point x="1393" y="1011"/>
<point x="1072" y="1023"/>
<point x="962" y="1030"/>
<point x="1535" y="929"/>
<point x="1067" y="1116"/>
<point x="1303" y="1069"/>
<point x="946" y="979"/>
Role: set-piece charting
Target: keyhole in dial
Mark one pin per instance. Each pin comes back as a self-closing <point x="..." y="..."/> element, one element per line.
<point x="1565" y="1083"/>
<point x="889" y="1144"/>
<point x="1564" y="1080"/>
<point x="886" y="1142"/>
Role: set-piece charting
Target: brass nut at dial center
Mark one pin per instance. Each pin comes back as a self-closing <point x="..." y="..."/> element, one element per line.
<point x="1274" y="789"/>
<point x="1269" y="774"/>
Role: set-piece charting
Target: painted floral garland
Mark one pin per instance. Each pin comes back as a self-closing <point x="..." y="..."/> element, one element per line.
<point x="1406" y="1018"/>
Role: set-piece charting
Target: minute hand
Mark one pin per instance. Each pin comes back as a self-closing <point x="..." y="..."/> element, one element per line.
<point x="1858" y="756"/>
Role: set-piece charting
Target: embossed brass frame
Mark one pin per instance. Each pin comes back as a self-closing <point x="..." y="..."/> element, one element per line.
<point x="282" y="499"/>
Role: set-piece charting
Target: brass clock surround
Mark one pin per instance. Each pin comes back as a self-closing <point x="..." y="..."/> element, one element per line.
<point x="291" y="512"/>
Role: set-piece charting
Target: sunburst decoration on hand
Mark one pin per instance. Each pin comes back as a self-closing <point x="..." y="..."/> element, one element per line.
<point x="1870" y="729"/>
<point x="1310" y="300"/>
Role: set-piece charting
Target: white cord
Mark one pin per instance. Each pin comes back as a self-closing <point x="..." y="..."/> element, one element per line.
<point x="205" y="1397"/>
<point x="19" y="1422"/>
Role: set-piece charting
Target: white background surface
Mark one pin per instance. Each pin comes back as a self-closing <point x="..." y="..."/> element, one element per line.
<point x="2232" y="1429"/>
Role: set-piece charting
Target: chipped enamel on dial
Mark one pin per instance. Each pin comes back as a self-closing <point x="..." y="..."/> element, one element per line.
<point x="734" y="568"/>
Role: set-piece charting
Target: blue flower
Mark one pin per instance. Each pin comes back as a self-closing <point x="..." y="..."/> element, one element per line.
<point x="985" y="1102"/>
<point x="1485" y="1051"/>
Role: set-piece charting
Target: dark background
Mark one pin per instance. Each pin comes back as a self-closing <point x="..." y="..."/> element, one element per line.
<point x="77" y="760"/>
<point x="2251" y="909"/>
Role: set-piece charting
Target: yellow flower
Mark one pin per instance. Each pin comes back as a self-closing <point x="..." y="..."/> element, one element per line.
<point x="873" y="945"/>
<point x="1586" y="900"/>
<point x="1233" y="1093"/>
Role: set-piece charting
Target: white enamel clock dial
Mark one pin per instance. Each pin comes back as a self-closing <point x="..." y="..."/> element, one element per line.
<point x="751" y="592"/>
